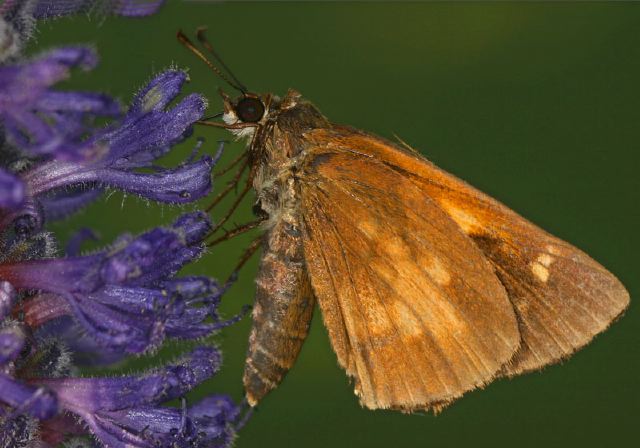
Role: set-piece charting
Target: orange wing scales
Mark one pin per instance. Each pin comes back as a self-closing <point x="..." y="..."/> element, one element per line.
<point x="414" y="310"/>
<point x="560" y="307"/>
<point x="561" y="296"/>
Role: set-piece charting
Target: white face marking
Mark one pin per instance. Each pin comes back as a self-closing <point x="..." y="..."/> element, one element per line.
<point x="230" y="117"/>
<point x="240" y="134"/>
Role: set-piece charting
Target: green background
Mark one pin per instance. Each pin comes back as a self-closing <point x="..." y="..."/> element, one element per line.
<point x="536" y="104"/>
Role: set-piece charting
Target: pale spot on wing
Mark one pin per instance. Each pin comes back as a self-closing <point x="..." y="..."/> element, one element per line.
<point x="418" y="334"/>
<point x="369" y="228"/>
<point x="396" y="247"/>
<point x="410" y="323"/>
<point x="467" y="222"/>
<point x="378" y="322"/>
<point x="443" y="317"/>
<point x="409" y="280"/>
<point x="540" y="271"/>
<point x="553" y="250"/>
<point x="541" y="265"/>
<point x="545" y="260"/>
<point x="385" y="271"/>
<point x="437" y="271"/>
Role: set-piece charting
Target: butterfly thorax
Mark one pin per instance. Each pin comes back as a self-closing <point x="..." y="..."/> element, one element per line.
<point x="278" y="150"/>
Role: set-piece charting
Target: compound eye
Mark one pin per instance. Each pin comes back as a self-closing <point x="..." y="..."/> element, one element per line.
<point x="250" y="110"/>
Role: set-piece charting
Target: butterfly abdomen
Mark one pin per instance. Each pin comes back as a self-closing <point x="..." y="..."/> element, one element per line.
<point x="282" y="312"/>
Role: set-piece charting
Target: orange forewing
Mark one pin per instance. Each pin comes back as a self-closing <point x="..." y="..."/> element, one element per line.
<point x="562" y="298"/>
<point x="414" y="310"/>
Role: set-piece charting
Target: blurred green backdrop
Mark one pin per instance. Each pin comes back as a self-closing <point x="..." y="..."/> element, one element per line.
<point x="536" y="104"/>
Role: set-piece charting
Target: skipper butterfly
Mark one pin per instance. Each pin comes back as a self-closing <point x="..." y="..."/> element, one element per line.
<point x="428" y="287"/>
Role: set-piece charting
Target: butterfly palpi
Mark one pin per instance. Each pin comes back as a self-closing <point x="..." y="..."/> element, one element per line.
<point x="428" y="287"/>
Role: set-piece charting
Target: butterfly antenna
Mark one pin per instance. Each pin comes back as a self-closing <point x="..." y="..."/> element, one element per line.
<point x="184" y="40"/>
<point x="202" y="38"/>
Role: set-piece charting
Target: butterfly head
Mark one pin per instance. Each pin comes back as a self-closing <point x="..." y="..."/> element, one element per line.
<point x="247" y="108"/>
<point x="254" y="110"/>
<point x="248" y="112"/>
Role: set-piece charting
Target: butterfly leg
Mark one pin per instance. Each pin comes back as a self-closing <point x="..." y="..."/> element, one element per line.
<point x="233" y="208"/>
<point x="236" y="231"/>
<point x="233" y="183"/>
<point x="233" y="164"/>
<point x="246" y="256"/>
<point x="248" y="253"/>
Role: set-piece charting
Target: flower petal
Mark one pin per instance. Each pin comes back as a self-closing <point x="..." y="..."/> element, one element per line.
<point x="41" y="121"/>
<point x="36" y="401"/>
<point x="217" y="416"/>
<point x="7" y="298"/>
<point x="90" y="395"/>
<point x="66" y="202"/>
<point x="158" y="253"/>
<point x="11" y="190"/>
<point x="74" y="244"/>
<point x="179" y="185"/>
<point x="151" y="132"/>
<point x="87" y="102"/>
<point x="160" y="91"/>
<point x="128" y="8"/>
<point x="12" y="340"/>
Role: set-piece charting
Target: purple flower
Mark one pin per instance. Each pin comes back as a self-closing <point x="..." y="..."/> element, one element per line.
<point x="11" y="190"/>
<point x="37" y="401"/>
<point x="12" y="341"/>
<point x="127" y="410"/>
<point x="7" y="299"/>
<point x="130" y="8"/>
<point x="41" y="9"/>
<point x="76" y="172"/>
<point x="43" y="121"/>
<point x="126" y="297"/>
<point x="58" y="311"/>
<point x="111" y="156"/>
